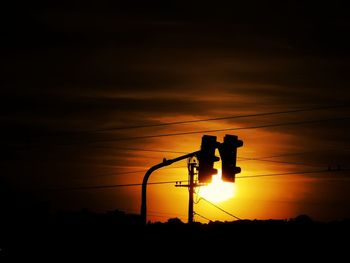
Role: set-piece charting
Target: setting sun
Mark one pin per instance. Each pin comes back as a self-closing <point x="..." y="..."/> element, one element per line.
<point x="218" y="190"/>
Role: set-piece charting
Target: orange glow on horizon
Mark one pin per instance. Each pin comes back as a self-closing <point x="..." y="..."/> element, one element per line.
<point x="248" y="198"/>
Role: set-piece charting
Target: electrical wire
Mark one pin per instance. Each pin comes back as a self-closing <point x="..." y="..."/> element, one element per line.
<point x="177" y="181"/>
<point x="195" y="213"/>
<point x="223" y="210"/>
<point x="154" y="213"/>
<point x="290" y="173"/>
<point x="221" y="130"/>
<point x="106" y="186"/>
<point x="280" y="162"/>
<point x="261" y="159"/>
<point x="216" y="119"/>
<point x="197" y="196"/>
<point x="139" y="149"/>
<point x="134" y="172"/>
<point x="241" y="158"/>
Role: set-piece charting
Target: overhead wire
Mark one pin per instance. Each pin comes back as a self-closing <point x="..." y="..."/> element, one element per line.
<point x="291" y="173"/>
<point x="136" y="171"/>
<point x="106" y="186"/>
<point x="218" y="118"/>
<point x="207" y="131"/>
<point x="195" y="213"/>
<point x="261" y="159"/>
<point x="220" y="130"/>
<point x="177" y="181"/>
<point x="279" y="162"/>
<point x="154" y="213"/>
<point x="221" y="209"/>
<point x="216" y="130"/>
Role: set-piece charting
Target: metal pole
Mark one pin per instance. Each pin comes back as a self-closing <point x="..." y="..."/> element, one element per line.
<point x="148" y="174"/>
<point x="191" y="191"/>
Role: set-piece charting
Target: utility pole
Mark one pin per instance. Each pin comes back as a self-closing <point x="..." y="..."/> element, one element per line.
<point x="192" y="164"/>
<point x="191" y="167"/>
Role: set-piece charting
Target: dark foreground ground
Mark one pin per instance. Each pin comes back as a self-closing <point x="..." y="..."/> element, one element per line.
<point x="121" y="237"/>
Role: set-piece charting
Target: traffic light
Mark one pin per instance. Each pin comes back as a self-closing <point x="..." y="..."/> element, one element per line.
<point x="228" y="154"/>
<point x="206" y="159"/>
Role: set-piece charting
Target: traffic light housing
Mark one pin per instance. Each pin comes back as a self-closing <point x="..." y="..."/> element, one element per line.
<point x="228" y="154"/>
<point x="206" y="159"/>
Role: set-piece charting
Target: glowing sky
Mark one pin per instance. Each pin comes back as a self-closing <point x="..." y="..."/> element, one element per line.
<point x="73" y="72"/>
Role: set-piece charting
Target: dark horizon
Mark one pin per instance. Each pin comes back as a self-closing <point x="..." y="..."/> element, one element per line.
<point x="115" y="234"/>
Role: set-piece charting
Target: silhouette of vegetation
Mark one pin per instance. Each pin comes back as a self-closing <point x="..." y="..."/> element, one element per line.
<point x="40" y="233"/>
<point x="30" y="228"/>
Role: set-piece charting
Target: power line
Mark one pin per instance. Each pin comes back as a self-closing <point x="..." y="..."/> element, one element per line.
<point x="107" y="186"/>
<point x="136" y="171"/>
<point x="172" y="182"/>
<point x="201" y="120"/>
<point x="209" y="131"/>
<point x="179" y="167"/>
<point x="289" y="173"/>
<point x="162" y="216"/>
<point x="285" y="154"/>
<point x="195" y="213"/>
<point x="236" y="217"/>
<point x="181" y="152"/>
<point x="166" y="213"/>
<point x="217" y="118"/>
<point x="154" y="213"/>
<point x="139" y="149"/>
<point x="261" y="159"/>
<point x="281" y="162"/>
<point x="121" y="173"/>
<point x="241" y="158"/>
<point x="221" y="130"/>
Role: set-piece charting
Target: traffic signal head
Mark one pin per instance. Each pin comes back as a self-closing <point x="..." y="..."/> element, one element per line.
<point x="228" y="154"/>
<point x="206" y="159"/>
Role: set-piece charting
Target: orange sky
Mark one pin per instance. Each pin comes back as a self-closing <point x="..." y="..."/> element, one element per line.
<point x="77" y="80"/>
<point x="265" y="197"/>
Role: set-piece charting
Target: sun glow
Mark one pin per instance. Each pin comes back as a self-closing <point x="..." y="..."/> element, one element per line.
<point x="218" y="190"/>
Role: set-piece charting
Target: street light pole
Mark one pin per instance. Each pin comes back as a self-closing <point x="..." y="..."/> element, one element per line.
<point x="148" y="174"/>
